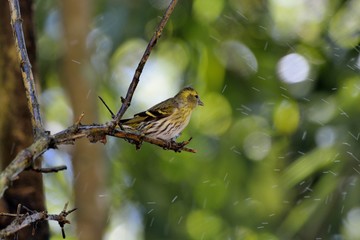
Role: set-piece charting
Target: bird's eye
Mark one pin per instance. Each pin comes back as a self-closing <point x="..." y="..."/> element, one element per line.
<point x="196" y="96"/>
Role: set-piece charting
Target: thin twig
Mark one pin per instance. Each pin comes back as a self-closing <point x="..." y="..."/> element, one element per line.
<point x="78" y="122"/>
<point x="107" y="107"/>
<point x="32" y="217"/>
<point x="25" y="66"/>
<point x="8" y="214"/>
<point x="50" y="169"/>
<point x="127" y="101"/>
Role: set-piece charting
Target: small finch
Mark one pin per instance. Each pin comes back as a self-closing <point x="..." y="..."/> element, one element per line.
<point x="166" y="120"/>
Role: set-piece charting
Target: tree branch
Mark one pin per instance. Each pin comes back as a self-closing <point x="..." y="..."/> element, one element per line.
<point x="24" y="159"/>
<point x="31" y="218"/>
<point x="95" y="133"/>
<point x="127" y="101"/>
<point x="25" y="66"/>
<point x="98" y="133"/>
<point x="49" y="169"/>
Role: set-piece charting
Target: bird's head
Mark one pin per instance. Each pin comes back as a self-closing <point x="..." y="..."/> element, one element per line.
<point x="189" y="97"/>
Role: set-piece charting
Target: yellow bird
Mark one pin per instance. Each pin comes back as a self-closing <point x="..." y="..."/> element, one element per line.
<point x="167" y="119"/>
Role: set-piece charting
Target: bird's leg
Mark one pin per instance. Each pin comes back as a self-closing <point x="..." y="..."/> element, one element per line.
<point x="168" y="144"/>
<point x="176" y="146"/>
<point x="140" y="141"/>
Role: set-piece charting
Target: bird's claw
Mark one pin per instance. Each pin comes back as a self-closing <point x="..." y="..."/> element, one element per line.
<point x="139" y="143"/>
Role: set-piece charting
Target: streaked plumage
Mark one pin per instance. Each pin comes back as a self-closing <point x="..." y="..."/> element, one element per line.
<point x="166" y="120"/>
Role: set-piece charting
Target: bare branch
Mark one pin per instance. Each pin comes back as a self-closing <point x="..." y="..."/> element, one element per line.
<point x="24" y="159"/>
<point x="50" y="169"/>
<point x="95" y="133"/>
<point x="98" y="133"/>
<point x="127" y="101"/>
<point x="32" y="217"/>
<point x="25" y="66"/>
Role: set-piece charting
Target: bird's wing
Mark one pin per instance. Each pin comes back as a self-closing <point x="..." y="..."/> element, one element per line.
<point x="156" y="112"/>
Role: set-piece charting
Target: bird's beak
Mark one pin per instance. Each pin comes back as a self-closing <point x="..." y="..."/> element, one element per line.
<point x="200" y="103"/>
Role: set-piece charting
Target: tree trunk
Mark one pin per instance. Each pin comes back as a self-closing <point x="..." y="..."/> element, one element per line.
<point x="87" y="159"/>
<point x="15" y="122"/>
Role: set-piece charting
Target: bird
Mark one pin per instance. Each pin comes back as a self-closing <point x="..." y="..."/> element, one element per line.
<point x="167" y="119"/>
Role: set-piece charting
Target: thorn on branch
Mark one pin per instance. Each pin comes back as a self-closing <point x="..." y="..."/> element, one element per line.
<point x="18" y="210"/>
<point x="26" y="208"/>
<point x="184" y="143"/>
<point x="122" y="99"/>
<point x="107" y="107"/>
<point x="32" y="217"/>
<point x="78" y="122"/>
<point x="62" y="220"/>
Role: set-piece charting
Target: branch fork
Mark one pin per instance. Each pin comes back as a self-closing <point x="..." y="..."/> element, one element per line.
<point x="31" y="218"/>
<point x="95" y="132"/>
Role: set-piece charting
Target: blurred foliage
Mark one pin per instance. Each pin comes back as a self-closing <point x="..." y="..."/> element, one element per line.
<point x="277" y="139"/>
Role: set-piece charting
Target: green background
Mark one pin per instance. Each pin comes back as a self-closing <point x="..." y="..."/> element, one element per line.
<point x="277" y="140"/>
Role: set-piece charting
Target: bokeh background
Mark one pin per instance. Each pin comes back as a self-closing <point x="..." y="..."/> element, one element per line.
<point x="277" y="141"/>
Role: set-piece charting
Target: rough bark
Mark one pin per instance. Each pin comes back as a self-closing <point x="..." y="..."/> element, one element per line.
<point x="15" y="123"/>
